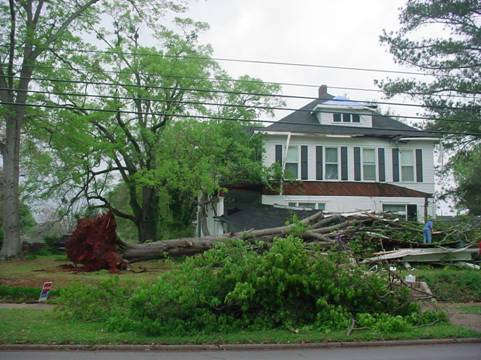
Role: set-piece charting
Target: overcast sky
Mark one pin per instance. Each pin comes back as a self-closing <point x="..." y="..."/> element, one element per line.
<point x="339" y="33"/>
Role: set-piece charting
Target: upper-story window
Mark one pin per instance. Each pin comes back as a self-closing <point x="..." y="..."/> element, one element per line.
<point x="369" y="164"/>
<point x="346" y="118"/>
<point x="332" y="163"/>
<point x="292" y="162"/>
<point x="407" y="165"/>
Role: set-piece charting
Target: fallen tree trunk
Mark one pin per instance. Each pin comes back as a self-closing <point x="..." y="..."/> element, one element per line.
<point x="173" y="248"/>
<point x="95" y="245"/>
<point x="194" y="245"/>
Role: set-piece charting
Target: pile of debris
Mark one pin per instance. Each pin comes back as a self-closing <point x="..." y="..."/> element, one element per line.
<point x="386" y="238"/>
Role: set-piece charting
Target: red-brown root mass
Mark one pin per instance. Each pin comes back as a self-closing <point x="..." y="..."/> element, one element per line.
<point x="94" y="244"/>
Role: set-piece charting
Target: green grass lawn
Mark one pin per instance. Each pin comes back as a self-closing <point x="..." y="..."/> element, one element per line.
<point x="19" y="326"/>
<point x="33" y="272"/>
<point x="450" y="284"/>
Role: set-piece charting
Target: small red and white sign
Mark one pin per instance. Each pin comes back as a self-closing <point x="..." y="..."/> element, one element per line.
<point x="47" y="286"/>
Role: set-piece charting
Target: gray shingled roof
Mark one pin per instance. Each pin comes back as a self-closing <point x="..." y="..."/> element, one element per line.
<point x="304" y="121"/>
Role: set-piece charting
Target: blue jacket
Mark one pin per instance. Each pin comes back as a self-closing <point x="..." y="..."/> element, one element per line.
<point x="428" y="225"/>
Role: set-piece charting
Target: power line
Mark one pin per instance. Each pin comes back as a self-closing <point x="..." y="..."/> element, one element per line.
<point x="190" y="102"/>
<point x="249" y="61"/>
<point x="256" y="81"/>
<point x="90" y="82"/>
<point x="207" y="117"/>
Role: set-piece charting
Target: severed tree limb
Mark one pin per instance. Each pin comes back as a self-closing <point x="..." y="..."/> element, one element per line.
<point x="194" y="245"/>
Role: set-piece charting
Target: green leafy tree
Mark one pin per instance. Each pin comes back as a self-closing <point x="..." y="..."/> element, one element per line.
<point x="197" y="161"/>
<point x="113" y="136"/>
<point x="208" y="157"/>
<point x="467" y="170"/>
<point x="451" y="92"/>
<point x="35" y="34"/>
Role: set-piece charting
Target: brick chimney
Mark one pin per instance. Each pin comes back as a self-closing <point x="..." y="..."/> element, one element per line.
<point x="322" y="91"/>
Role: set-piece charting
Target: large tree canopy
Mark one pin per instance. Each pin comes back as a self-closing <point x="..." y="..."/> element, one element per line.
<point x="37" y="38"/>
<point x="114" y="127"/>
<point x="450" y="59"/>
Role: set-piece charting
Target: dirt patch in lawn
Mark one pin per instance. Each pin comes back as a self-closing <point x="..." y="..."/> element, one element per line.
<point x="458" y="316"/>
<point x="33" y="273"/>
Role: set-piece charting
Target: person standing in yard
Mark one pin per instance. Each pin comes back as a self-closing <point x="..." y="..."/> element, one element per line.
<point x="428" y="232"/>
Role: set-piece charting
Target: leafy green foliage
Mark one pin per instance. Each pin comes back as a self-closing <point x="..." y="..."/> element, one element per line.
<point x="466" y="166"/>
<point x="232" y="287"/>
<point x="451" y="93"/>
<point x="143" y="137"/>
<point x="387" y="323"/>
<point x="97" y="302"/>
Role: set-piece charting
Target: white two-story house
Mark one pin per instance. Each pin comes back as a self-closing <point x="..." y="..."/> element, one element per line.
<point x="345" y="156"/>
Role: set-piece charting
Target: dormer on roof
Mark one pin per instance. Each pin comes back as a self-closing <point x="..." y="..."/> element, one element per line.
<point x="341" y="111"/>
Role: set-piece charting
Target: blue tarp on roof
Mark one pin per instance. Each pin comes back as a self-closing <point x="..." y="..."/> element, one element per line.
<point x="344" y="101"/>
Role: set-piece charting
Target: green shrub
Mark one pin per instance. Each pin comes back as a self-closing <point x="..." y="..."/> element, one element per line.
<point x="233" y="287"/>
<point x="387" y="323"/>
<point x="99" y="302"/>
<point x="50" y="240"/>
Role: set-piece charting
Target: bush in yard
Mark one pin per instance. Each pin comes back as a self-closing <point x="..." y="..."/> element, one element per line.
<point x="232" y="287"/>
<point x="98" y="302"/>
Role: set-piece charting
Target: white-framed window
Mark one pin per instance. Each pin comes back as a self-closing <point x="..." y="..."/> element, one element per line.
<point x="346" y="118"/>
<point x="407" y="211"/>
<point x="406" y="164"/>
<point x="307" y="205"/>
<point x="292" y="162"/>
<point x="396" y="209"/>
<point x="369" y="164"/>
<point x="331" y="166"/>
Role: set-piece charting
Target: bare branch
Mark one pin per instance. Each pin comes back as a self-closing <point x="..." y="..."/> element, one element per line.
<point x="53" y="37"/>
<point x="108" y="205"/>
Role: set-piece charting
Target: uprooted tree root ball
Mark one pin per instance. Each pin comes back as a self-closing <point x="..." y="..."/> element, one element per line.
<point x="94" y="244"/>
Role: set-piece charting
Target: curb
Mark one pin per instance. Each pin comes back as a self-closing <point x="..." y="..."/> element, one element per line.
<point x="234" y="347"/>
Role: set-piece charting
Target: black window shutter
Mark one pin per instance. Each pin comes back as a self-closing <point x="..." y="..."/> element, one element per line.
<point x="382" y="164"/>
<point x="419" y="165"/>
<point x="344" y="163"/>
<point x="395" y="165"/>
<point x="318" y="162"/>
<point x="279" y="154"/>
<point x="357" y="164"/>
<point x="303" y="162"/>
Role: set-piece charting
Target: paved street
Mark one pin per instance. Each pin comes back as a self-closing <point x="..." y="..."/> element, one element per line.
<point x="421" y="352"/>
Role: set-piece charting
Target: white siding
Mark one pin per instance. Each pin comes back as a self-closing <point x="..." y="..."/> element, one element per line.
<point x="326" y="118"/>
<point x="314" y="140"/>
